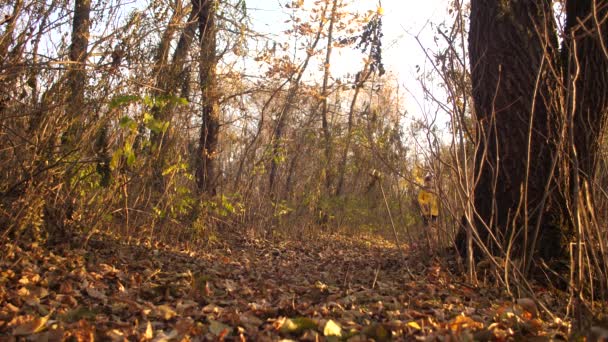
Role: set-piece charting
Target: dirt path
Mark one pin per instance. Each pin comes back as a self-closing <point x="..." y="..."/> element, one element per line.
<point x="327" y="289"/>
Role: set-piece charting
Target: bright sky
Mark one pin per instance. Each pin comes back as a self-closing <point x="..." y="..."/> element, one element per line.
<point x="403" y="21"/>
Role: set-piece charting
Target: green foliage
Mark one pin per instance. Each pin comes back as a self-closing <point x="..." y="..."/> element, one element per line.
<point x="127" y="123"/>
<point x="130" y="125"/>
<point x="30" y="221"/>
<point x="122" y="100"/>
<point x="125" y="154"/>
<point x="298" y="325"/>
<point x="225" y="206"/>
<point x="155" y="125"/>
<point x="281" y="209"/>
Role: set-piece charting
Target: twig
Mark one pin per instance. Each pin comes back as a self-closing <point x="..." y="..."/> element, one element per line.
<point x="376" y="277"/>
<point x="391" y="218"/>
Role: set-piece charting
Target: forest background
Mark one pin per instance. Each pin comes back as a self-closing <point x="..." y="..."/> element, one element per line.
<point x="183" y="123"/>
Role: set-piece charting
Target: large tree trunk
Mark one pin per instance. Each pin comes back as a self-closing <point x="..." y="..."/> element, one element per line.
<point x="585" y="56"/>
<point x="585" y="65"/>
<point x="532" y="117"/>
<point x="206" y="172"/>
<point x="512" y="45"/>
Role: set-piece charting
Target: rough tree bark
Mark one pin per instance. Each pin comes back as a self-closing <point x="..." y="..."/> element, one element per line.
<point x="76" y="78"/>
<point x="512" y="45"/>
<point x="535" y="111"/>
<point x="585" y="60"/>
<point x="206" y="170"/>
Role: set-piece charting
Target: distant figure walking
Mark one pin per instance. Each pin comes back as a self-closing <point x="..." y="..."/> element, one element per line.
<point x="429" y="206"/>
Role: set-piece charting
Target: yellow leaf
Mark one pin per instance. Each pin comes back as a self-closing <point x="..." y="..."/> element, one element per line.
<point x="460" y="323"/>
<point x="165" y="312"/>
<point x="116" y="335"/>
<point x="149" y="334"/>
<point x="332" y="329"/>
<point x="31" y="326"/>
<point x="297" y="325"/>
<point x="414" y="324"/>
<point x="380" y="11"/>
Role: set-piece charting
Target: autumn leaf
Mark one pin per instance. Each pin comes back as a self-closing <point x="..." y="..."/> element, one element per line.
<point x="116" y="335"/>
<point x="414" y="324"/>
<point x="165" y="312"/>
<point x="166" y="337"/>
<point x="377" y="331"/>
<point x="332" y="329"/>
<point x="95" y="293"/>
<point x="218" y="328"/>
<point x="529" y="305"/>
<point x="149" y="334"/>
<point x="27" y="325"/>
<point x="297" y="325"/>
<point x="461" y="322"/>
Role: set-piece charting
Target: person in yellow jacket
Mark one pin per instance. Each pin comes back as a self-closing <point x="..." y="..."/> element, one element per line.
<point x="429" y="204"/>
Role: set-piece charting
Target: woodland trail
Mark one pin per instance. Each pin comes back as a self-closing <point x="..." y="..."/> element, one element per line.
<point x="332" y="288"/>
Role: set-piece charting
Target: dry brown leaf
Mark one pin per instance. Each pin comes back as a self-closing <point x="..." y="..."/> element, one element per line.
<point x="166" y="337"/>
<point x="184" y="325"/>
<point x="460" y="323"/>
<point x="529" y="305"/>
<point x="95" y="293"/>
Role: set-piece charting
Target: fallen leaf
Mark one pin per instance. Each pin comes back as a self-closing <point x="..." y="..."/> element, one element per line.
<point x="95" y="293"/>
<point x="149" y="334"/>
<point x="529" y="305"/>
<point x="218" y="328"/>
<point x="30" y="325"/>
<point x="414" y="324"/>
<point x="230" y="285"/>
<point x="461" y="322"/>
<point x="183" y="325"/>
<point x="166" y="337"/>
<point x="332" y="329"/>
<point x="297" y="325"/>
<point x="165" y="312"/>
<point x="249" y="319"/>
<point x="377" y="331"/>
<point x="116" y="335"/>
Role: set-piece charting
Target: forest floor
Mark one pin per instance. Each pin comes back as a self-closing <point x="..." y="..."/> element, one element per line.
<point x="330" y="288"/>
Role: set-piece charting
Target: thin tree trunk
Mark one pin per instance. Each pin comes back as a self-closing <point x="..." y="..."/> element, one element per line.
<point x="206" y="173"/>
<point x="167" y="80"/>
<point x="257" y="135"/>
<point x="285" y="111"/>
<point x="76" y="78"/>
<point x="325" y="94"/>
<point x="7" y="36"/>
<point x="359" y="82"/>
